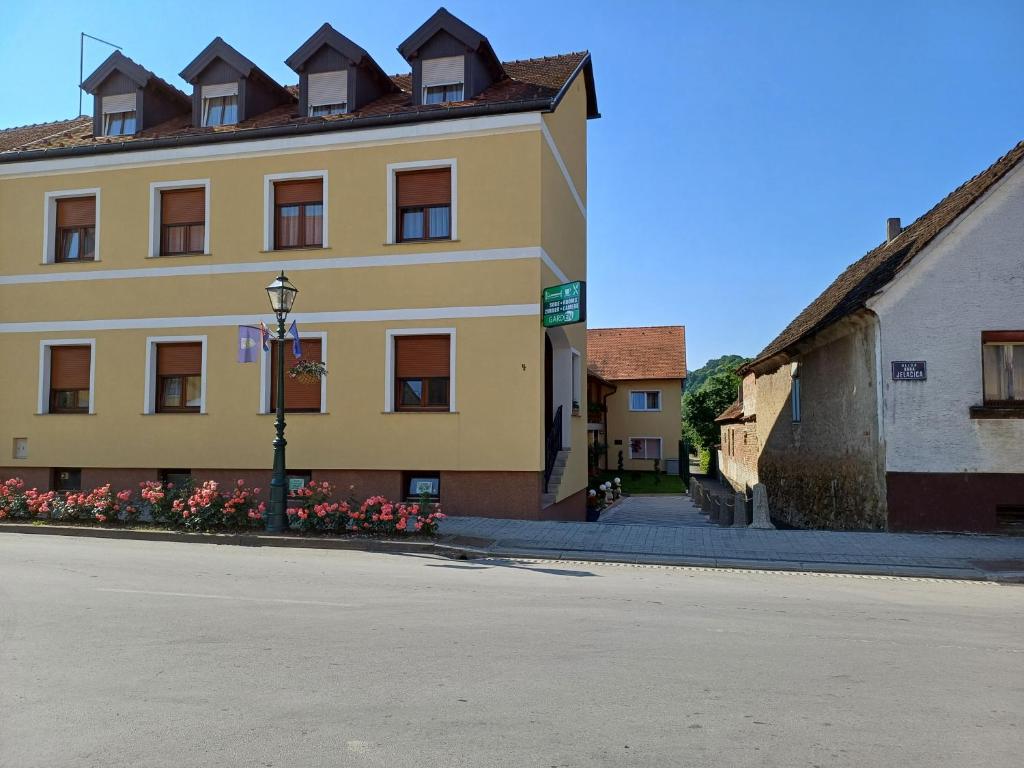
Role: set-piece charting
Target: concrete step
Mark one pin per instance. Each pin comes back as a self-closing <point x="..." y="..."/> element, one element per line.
<point x="547" y="500"/>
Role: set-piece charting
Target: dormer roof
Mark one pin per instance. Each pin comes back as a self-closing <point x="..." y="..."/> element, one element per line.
<point x="218" y="49"/>
<point x="118" y="62"/>
<point x="444" y="21"/>
<point x="332" y="38"/>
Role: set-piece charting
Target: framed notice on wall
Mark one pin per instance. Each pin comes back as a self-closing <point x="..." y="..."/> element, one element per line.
<point x="909" y="370"/>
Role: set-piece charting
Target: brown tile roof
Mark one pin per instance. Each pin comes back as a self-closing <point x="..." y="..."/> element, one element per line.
<point x="528" y="80"/>
<point x="878" y="267"/>
<point x="733" y="413"/>
<point x="655" y="352"/>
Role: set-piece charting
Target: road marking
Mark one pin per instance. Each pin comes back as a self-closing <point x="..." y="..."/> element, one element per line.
<point x="228" y="597"/>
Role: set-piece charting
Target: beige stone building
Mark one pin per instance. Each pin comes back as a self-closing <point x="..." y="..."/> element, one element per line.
<point x="635" y="389"/>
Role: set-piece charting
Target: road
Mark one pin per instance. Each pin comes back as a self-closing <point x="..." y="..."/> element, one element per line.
<point x="122" y="653"/>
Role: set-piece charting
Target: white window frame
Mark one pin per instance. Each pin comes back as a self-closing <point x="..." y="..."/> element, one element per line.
<point x="155" y="224"/>
<point x="265" y="372"/>
<point x="311" y="104"/>
<point x="43" y="403"/>
<point x="424" y="86"/>
<point x="50" y="221"/>
<point x="268" y="205"/>
<point x="661" y="452"/>
<point x="108" y="118"/>
<point x="149" y="398"/>
<point x="422" y="165"/>
<point x="645" y="409"/>
<point x="389" y="363"/>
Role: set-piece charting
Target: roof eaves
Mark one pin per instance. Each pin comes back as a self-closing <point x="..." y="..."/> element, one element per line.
<point x="117" y="62"/>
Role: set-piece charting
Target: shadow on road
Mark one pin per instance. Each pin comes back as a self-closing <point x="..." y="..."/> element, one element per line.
<point x="478" y="566"/>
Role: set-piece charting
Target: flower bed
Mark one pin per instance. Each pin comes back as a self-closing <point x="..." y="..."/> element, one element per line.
<point x="207" y="508"/>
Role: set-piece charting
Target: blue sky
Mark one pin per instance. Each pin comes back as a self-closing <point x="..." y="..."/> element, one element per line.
<point x="748" y="151"/>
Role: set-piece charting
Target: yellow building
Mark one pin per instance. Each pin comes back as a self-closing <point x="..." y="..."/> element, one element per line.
<point x="634" y="394"/>
<point x="420" y="216"/>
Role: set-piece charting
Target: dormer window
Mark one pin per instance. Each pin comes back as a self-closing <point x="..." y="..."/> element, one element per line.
<point x="328" y="93"/>
<point x="220" y="104"/>
<point x="119" y="115"/>
<point x="444" y="79"/>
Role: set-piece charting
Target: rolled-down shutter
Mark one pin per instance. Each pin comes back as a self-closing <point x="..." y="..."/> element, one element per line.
<point x="76" y="212"/>
<point x="183" y="206"/>
<point x="419" y="357"/>
<point x="327" y="88"/>
<point x="297" y="395"/>
<point x="430" y="187"/>
<point x="179" y="359"/>
<point x="122" y="102"/>
<point x="446" y="70"/>
<point x="220" y="89"/>
<point x="69" y="367"/>
<point x="295" y="192"/>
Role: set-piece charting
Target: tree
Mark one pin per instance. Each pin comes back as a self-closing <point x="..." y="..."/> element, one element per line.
<point x="694" y="379"/>
<point x="715" y="389"/>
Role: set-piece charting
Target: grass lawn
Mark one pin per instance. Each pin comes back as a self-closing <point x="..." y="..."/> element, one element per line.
<point x="642" y="482"/>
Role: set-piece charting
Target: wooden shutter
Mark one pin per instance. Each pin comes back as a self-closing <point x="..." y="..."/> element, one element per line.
<point x="76" y="212"/>
<point x="297" y="395"/>
<point x="179" y="359"/>
<point x="183" y="206"/>
<point x="295" y="192"/>
<point x="69" y="367"/>
<point x="431" y="187"/>
<point x="422" y="356"/>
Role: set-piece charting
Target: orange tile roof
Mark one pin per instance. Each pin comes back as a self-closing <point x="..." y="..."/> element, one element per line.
<point x="654" y="352"/>
<point x="528" y="80"/>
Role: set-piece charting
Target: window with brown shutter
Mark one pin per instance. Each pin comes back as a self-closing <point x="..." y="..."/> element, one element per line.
<point x="69" y="379"/>
<point x="422" y="373"/>
<point x="424" y="204"/>
<point x="179" y="377"/>
<point x="182" y="221"/>
<point x="299" y="214"/>
<point x="1002" y="368"/>
<point x="76" y="229"/>
<point x="299" y="396"/>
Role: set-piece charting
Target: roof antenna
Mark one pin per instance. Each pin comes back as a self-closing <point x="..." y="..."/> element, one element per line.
<point x="81" y="62"/>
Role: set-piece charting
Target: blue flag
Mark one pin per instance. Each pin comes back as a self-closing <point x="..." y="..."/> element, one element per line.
<point x="248" y="344"/>
<point x="296" y="344"/>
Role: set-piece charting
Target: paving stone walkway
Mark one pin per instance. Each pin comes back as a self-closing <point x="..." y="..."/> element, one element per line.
<point x="671" y="530"/>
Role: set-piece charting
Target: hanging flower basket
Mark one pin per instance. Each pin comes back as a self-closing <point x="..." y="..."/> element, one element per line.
<point x="308" y="371"/>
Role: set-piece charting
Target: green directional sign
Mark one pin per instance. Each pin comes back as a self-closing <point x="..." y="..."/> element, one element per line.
<point x="565" y="304"/>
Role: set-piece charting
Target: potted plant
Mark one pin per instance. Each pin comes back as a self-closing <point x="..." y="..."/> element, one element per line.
<point x="575" y="407"/>
<point x="308" y="371"/>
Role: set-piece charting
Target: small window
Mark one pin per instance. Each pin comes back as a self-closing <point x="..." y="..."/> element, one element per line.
<point x="422" y="373"/>
<point x="645" y="447"/>
<point x="1003" y="368"/>
<point x="794" y="399"/>
<point x="645" y="401"/>
<point x="76" y="229"/>
<point x="327" y="93"/>
<point x="297" y="480"/>
<point x="441" y="94"/>
<point x="323" y="110"/>
<point x="69" y="379"/>
<point x="182" y="221"/>
<point x="444" y="79"/>
<point x="179" y="377"/>
<point x="424" y="202"/>
<point x="179" y="478"/>
<point x="419" y="483"/>
<point x="119" y="124"/>
<point x="67" y="480"/>
<point x="299" y="396"/>
<point x="220" y="104"/>
<point x="299" y="214"/>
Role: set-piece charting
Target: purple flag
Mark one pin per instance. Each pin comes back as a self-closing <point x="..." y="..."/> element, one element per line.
<point x="296" y="344"/>
<point x="248" y="344"/>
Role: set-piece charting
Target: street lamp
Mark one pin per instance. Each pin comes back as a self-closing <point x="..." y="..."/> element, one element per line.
<point x="282" y="296"/>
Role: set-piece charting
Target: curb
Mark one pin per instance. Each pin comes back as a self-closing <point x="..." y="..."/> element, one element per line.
<point x="233" y="539"/>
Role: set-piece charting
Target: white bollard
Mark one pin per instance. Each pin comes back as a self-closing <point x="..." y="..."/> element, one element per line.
<point x="762" y="518"/>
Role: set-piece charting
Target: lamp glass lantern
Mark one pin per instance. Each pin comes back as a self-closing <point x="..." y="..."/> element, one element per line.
<point x="282" y="295"/>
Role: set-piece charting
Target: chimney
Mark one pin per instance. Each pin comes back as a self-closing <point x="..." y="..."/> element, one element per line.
<point x="892" y="228"/>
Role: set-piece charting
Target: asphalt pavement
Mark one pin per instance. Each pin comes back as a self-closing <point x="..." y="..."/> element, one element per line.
<point x="130" y="653"/>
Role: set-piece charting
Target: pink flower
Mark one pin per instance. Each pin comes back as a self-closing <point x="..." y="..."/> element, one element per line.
<point x="240" y="483"/>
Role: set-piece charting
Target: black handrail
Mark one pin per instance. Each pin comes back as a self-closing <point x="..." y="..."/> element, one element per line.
<point x="552" y="445"/>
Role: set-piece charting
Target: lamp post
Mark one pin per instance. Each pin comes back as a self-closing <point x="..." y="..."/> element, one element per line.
<point x="282" y="296"/>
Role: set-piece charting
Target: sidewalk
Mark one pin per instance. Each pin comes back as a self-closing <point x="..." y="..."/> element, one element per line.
<point x="686" y="540"/>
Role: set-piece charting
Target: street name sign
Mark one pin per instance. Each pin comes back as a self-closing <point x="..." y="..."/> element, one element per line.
<point x="909" y="370"/>
<point x="565" y="304"/>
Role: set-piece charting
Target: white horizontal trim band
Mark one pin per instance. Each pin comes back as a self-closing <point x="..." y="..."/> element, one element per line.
<point x="352" y="316"/>
<point x="296" y="265"/>
<point x="346" y="139"/>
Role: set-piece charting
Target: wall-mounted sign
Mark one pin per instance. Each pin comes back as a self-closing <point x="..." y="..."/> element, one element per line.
<point x="909" y="370"/>
<point x="565" y="304"/>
